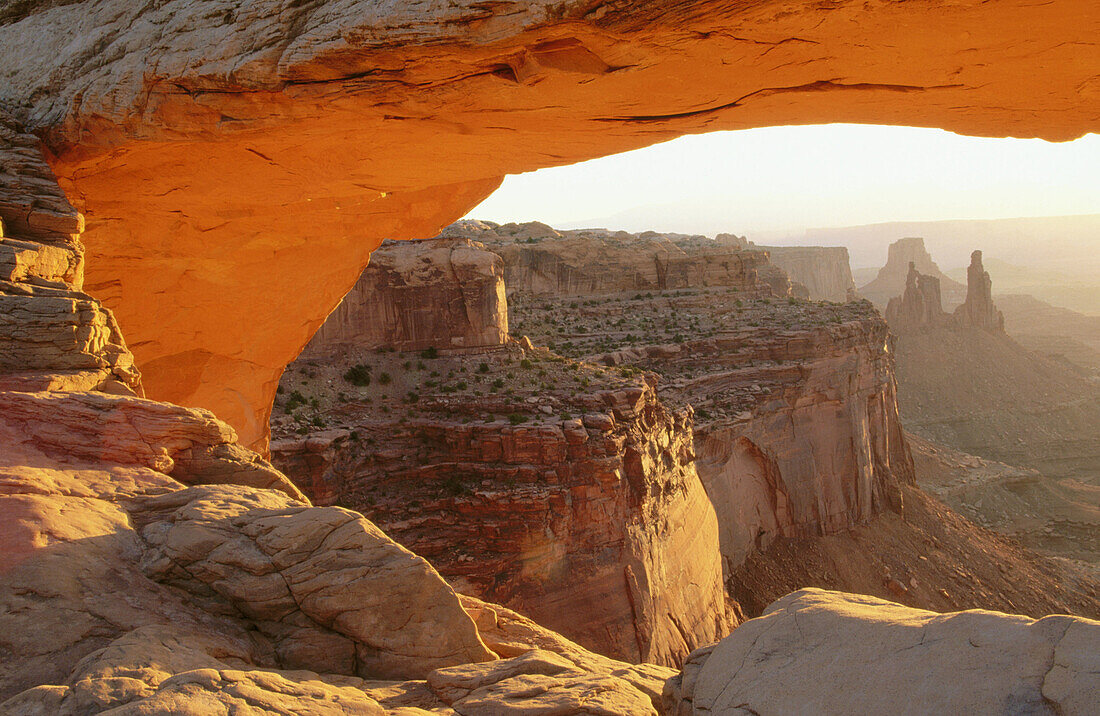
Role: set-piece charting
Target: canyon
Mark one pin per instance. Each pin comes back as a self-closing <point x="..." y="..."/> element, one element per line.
<point x="1007" y="435"/>
<point x="786" y="417"/>
<point x="211" y="181"/>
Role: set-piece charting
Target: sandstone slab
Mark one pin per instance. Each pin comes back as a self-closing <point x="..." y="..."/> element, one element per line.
<point x="827" y="652"/>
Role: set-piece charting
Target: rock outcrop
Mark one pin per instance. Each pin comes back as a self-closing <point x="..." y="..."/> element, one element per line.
<point x="919" y="306"/>
<point x="893" y="278"/>
<point x="122" y="589"/>
<point x="572" y="491"/>
<point x="821" y="652"/>
<point x="541" y="260"/>
<point x="796" y="428"/>
<point x="825" y="271"/>
<point x="52" y="334"/>
<point x="220" y="156"/>
<point x="445" y="294"/>
<point x="978" y="311"/>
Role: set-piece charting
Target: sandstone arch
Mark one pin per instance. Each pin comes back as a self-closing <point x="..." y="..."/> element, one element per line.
<point x="237" y="166"/>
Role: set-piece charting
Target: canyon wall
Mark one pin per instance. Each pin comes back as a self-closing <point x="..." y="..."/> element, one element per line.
<point x="441" y="294"/>
<point x="824" y="454"/>
<point x="555" y="498"/>
<point x="591" y="261"/>
<point x="796" y="428"/>
<point x="221" y="154"/>
<point x="824" y="270"/>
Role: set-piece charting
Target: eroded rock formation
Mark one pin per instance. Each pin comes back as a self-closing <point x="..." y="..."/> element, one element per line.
<point x="542" y="260"/>
<point x="919" y="306"/>
<point x="794" y="658"/>
<point x="978" y="311"/>
<point x="893" y="278"/>
<point x="439" y="294"/>
<point x="571" y="491"/>
<point x="795" y="410"/>
<point x="220" y="155"/>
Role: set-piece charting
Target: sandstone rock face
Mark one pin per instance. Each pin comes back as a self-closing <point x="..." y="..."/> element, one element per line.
<point x="541" y="260"/>
<point x="919" y="306"/>
<point x="894" y="276"/>
<point x="820" y="451"/>
<point x="580" y="498"/>
<point x="818" y="651"/>
<point x="824" y="270"/>
<point x="123" y="590"/>
<point x="796" y="428"/>
<point x="231" y="158"/>
<point x="52" y="334"/>
<point x="978" y="311"/>
<point x="440" y="294"/>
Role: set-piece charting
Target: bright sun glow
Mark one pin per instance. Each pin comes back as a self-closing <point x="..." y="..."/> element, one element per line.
<point x="791" y="178"/>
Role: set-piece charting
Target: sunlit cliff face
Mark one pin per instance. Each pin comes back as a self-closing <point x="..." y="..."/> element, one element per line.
<point x="235" y="178"/>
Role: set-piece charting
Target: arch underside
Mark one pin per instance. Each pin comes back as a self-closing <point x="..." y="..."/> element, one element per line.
<point x="236" y="178"/>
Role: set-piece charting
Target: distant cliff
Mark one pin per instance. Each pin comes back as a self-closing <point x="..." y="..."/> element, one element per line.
<point x="416" y="295"/>
<point x="824" y="270"/>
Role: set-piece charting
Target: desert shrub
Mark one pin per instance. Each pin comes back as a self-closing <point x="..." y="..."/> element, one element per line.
<point x="358" y="375"/>
<point x="384" y="379"/>
<point x="429" y="353"/>
<point x="482" y="367"/>
<point x="296" y="399"/>
<point x="517" y="418"/>
<point x="525" y="363"/>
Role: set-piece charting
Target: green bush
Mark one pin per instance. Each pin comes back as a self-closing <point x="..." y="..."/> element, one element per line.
<point x="429" y="353"/>
<point x="517" y="418"/>
<point x="294" y="401"/>
<point x="358" y="375"/>
<point x="384" y="379"/>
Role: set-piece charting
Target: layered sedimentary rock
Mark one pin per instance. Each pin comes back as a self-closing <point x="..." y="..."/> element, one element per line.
<point x="818" y="651"/>
<point x="978" y="311"/>
<point x="542" y="260"/>
<point x="52" y="334"/>
<point x="824" y="270"/>
<point x="229" y="152"/>
<point x="919" y="306"/>
<point x="441" y="294"/>
<point x="569" y="492"/>
<point x="122" y="589"/>
<point x="795" y="410"/>
<point x="894" y="276"/>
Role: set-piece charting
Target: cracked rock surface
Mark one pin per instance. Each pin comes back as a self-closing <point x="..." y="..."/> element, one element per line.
<point x="815" y="651"/>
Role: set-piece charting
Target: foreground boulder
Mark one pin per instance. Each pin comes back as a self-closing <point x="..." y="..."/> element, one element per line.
<point x="815" y="651"/>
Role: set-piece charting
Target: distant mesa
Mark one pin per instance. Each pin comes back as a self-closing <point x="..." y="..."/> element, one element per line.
<point x="893" y="277"/>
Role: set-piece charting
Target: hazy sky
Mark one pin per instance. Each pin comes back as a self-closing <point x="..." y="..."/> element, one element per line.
<point x="788" y="178"/>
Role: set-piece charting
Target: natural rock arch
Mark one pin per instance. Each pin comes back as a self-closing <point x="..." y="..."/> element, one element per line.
<point x="237" y="166"/>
